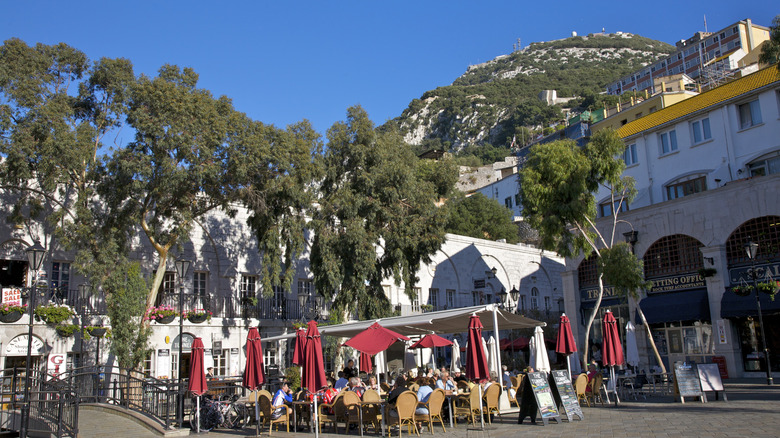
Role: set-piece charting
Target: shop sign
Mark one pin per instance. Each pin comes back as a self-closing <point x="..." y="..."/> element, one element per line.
<point x="18" y="346"/>
<point x="12" y="296"/>
<point x="55" y="365"/>
<point x="677" y="283"/>
<point x="186" y="346"/>
<point x="593" y="293"/>
<point x="764" y="272"/>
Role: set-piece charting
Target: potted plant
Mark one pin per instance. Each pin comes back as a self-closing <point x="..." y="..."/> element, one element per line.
<point x="96" y="331"/>
<point x="742" y="290"/>
<point x="12" y="312"/>
<point x="197" y="316"/>
<point x="161" y="314"/>
<point x="53" y="314"/>
<point x="426" y="307"/>
<point x="769" y="287"/>
<point x="707" y="272"/>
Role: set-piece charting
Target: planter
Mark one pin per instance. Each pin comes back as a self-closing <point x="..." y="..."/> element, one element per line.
<point x="197" y="319"/>
<point x="11" y="316"/>
<point x="97" y="332"/>
<point x="166" y="319"/>
<point x="742" y="291"/>
<point x="767" y="288"/>
<point x="66" y="330"/>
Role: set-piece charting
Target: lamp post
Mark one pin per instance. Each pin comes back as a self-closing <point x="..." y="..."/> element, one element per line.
<point x="182" y="266"/>
<point x="515" y="294"/>
<point x="84" y="290"/>
<point x="751" y="248"/>
<point x="35" y="254"/>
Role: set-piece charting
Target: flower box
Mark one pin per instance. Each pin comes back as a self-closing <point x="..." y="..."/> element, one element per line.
<point x="742" y="290"/>
<point x="53" y="314"/>
<point x="197" y="316"/>
<point x="166" y="319"/>
<point x="97" y="332"/>
<point x="161" y="314"/>
<point x="11" y="316"/>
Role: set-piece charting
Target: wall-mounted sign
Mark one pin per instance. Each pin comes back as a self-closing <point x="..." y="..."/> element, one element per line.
<point x="55" y="365"/>
<point x="18" y="346"/>
<point x="764" y="272"/>
<point x="592" y="294"/>
<point x="12" y="296"/>
<point x="186" y="346"/>
<point x="677" y="283"/>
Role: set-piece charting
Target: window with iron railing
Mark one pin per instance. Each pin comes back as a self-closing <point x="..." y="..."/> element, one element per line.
<point x="248" y="287"/>
<point x="200" y="283"/>
<point x="670" y="255"/>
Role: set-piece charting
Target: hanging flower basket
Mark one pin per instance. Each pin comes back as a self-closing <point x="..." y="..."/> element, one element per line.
<point x="53" y="314"/>
<point x="161" y="314"/>
<point x="66" y="330"/>
<point x="197" y="316"/>
<point x="11" y="312"/>
<point x="97" y="332"/>
<point x="770" y="288"/>
<point x="742" y="290"/>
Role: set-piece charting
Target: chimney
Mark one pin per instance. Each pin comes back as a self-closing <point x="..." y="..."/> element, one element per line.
<point x="749" y="26"/>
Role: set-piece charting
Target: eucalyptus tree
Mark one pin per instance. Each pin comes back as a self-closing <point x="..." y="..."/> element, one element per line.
<point x="557" y="186"/>
<point x="377" y="217"/>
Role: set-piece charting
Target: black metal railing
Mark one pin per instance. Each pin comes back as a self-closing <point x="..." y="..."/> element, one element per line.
<point x="53" y="405"/>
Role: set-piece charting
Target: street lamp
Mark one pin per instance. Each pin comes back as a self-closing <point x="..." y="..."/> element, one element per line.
<point x="515" y="294"/>
<point x="501" y="296"/>
<point x="35" y="254"/>
<point x="182" y="266"/>
<point x="751" y="248"/>
<point x="84" y="291"/>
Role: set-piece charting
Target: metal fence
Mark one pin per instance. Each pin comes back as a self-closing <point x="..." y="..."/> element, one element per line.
<point x="53" y="405"/>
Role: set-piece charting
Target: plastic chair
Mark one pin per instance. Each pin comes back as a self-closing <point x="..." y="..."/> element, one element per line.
<point x="404" y="407"/>
<point x="434" y="404"/>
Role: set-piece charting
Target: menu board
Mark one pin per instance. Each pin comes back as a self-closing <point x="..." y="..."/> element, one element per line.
<point x="686" y="379"/>
<point x="565" y="395"/>
<point x="709" y="377"/>
<point x="544" y="397"/>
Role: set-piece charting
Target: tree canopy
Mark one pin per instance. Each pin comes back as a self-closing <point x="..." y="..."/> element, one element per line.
<point x="770" y="52"/>
<point x="481" y="217"/>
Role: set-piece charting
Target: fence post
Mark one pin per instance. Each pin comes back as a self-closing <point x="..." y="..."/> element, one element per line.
<point x="60" y="411"/>
<point x="113" y="390"/>
<point x="168" y="408"/>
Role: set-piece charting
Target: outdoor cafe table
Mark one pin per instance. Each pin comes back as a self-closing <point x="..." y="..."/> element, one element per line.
<point x="300" y="404"/>
<point x="363" y="404"/>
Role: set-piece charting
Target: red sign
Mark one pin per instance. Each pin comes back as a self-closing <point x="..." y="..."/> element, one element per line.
<point x="721" y="361"/>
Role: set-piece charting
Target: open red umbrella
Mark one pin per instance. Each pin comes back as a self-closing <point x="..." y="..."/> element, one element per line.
<point x="365" y="363"/>
<point x="374" y="339"/>
<point x="300" y="340"/>
<point x="565" y="344"/>
<point x="197" y="384"/>
<point x="432" y="340"/>
<point x="313" y="365"/>
<point x="253" y="372"/>
<point x="611" y="348"/>
<point x="476" y="359"/>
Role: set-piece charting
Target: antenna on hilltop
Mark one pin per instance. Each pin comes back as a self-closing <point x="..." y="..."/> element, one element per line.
<point x="519" y="45"/>
<point x="705" y="23"/>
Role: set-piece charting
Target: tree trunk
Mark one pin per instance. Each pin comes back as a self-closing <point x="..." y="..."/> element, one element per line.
<point x="590" y="322"/>
<point x="158" y="277"/>
<point x="650" y="338"/>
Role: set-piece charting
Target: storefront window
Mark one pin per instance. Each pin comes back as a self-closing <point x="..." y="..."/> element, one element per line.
<point x="684" y="341"/>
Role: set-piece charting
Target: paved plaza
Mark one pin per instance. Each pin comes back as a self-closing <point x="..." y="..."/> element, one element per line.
<point x="752" y="410"/>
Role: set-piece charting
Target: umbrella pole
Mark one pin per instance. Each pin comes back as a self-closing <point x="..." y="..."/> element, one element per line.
<point x="481" y="413"/>
<point x="316" y="424"/>
<point x="197" y="413"/>
<point x="257" y="413"/>
<point x="568" y="364"/>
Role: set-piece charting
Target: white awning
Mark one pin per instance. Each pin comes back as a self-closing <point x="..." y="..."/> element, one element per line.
<point x="440" y="322"/>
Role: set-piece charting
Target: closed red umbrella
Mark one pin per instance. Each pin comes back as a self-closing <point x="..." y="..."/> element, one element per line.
<point x="300" y="340"/>
<point x="197" y="384"/>
<point x="520" y="343"/>
<point x="313" y="366"/>
<point x="476" y="359"/>
<point x="374" y="339"/>
<point x="432" y="340"/>
<point x="611" y="348"/>
<point x="253" y="372"/>
<point x="565" y="344"/>
<point x="365" y="363"/>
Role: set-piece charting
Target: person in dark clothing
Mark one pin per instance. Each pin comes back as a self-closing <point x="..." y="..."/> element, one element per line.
<point x="398" y="388"/>
<point x="349" y="370"/>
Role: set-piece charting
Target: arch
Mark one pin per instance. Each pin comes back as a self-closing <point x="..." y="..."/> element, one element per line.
<point x="764" y="230"/>
<point x="17" y="346"/>
<point x="673" y="254"/>
<point x="587" y="271"/>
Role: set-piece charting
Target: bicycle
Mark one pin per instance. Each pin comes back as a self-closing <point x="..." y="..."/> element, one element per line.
<point x="226" y="413"/>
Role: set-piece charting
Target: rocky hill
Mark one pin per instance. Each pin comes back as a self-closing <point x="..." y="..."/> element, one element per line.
<point x="496" y="100"/>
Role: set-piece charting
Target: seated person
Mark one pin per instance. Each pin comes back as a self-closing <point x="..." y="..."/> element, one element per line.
<point x="398" y="388"/>
<point x="446" y="382"/>
<point x="458" y="376"/>
<point x="372" y="384"/>
<point x="592" y="371"/>
<point x="423" y="394"/>
<point x="282" y="396"/>
<point x="342" y="382"/>
<point x="356" y="386"/>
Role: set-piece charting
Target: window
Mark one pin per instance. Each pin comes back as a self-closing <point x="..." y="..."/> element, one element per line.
<point x="607" y="209"/>
<point x="60" y="278"/>
<point x="248" y="286"/>
<point x="701" y="130"/>
<point x="199" y="283"/>
<point x="534" y="298"/>
<point x="72" y="360"/>
<point x="668" y="142"/>
<point x="685" y="188"/>
<point x="766" y="166"/>
<point x="269" y="357"/>
<point x="749" y="114"/>
<point x="475" y="298"/>
<point x="433" y="297"/>
<point x="167" y="288"/>
<point x="220" y="363"/>
<point x="517" y="198"/>
<point x="450" y="298"/>
<point x="629" y="156"/>
<point x="508" y="202"/>
<point x="305" y="287"/>
<point x="547" y="303"/>
<point x="416" y="300"/>
<point x="280" y="298"/>
<point x="522" y="303"/>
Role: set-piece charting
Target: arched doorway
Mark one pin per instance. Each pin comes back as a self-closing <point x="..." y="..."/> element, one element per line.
<point x="186" y="350"/>
<point x="15" y="352"/>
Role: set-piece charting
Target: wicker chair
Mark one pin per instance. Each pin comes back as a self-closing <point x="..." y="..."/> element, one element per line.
<point x="492" y="393"/>
<point x="302" y="413"/>
<point x="351" y="409"/>
<point x="580" y="386"/>
<point x="434" y="404"/>
<point x="371" y="413"/>
<point x="405" y="406"/>
<point x="468" y="406"/>
<point x="266" y="408"/>
<point x="326" y="412"/>
<point x="516" y="384"/>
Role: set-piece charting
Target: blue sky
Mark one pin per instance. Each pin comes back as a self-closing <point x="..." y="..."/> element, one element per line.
<point x="284" y="61"/>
